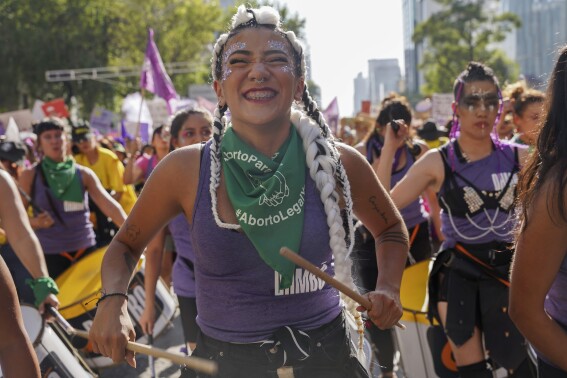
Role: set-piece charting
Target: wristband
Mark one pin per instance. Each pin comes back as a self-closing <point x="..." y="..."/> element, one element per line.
<point x="104" y="296"/>
<point x="42" y="287"/>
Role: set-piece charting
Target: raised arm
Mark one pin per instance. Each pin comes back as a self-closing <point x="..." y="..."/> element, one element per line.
<point x="374" y="208"/>
<point x="425" y="174"/>
<point x="540" y="250"/>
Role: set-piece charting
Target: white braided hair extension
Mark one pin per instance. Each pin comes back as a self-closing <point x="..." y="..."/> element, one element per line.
<point x="322" y="157"/>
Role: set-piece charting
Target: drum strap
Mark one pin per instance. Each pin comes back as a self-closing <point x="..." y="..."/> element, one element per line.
<point x="414" y="234"/>
<point x="485" y="267"/>
<point x="411" y="240"/>
<point x="74" y="256"/>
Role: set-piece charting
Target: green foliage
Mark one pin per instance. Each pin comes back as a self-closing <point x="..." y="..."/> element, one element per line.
<point x="461" y="32"/>
<point x="70" y="34"/>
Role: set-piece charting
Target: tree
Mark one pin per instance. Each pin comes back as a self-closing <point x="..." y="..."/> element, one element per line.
<point x="70" y="34"/>
<point x="461" y="32"/>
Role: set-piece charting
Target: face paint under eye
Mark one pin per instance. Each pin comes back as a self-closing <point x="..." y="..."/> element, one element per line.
<point x="231" y="49"/>
<point x="282" y="46"/>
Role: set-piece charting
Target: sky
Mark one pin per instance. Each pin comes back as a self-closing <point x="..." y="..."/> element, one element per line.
<point x="343" y="36"/>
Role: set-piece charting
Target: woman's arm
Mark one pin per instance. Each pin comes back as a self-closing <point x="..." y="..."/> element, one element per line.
<point x="427" y="172"/>
<point x="20" y="235"/>
<point x="101" y="198"/>
<point x="540" y="250"/>
<point x="374" y="208"/>
<point x="169" y="191"/>
<point x="17" y="356"/>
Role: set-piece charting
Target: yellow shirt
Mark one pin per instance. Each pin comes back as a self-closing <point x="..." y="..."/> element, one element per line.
<point x="110" y="171"/>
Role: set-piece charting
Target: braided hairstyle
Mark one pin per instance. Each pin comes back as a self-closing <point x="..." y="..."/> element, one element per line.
<point x="322" y="156"/>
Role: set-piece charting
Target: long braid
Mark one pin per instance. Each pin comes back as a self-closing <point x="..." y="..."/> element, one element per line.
<point x="218" y="132"/>
<point x="341" y="176"/>
<point x="322" y="156"/>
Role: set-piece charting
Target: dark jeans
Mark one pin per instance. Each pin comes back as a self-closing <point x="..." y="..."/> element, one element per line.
<point x="331" y="356"/>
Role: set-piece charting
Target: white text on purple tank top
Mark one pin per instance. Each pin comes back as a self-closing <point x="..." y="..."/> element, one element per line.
<point x="303" y="282"/>
<point x="500" y="179"/>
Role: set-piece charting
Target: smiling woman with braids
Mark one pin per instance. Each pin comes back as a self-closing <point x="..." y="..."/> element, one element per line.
<point x="271" y="177"/>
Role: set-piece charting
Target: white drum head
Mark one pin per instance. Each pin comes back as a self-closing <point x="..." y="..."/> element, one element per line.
<point x="33" y="322"/>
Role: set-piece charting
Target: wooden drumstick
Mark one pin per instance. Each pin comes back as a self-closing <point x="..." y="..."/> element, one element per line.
<point x="195" y="363"/>
<point x="300" y="261"/>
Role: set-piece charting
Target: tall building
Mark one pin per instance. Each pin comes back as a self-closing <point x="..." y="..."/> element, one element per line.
<point x="415" y="12"/>
<point x="543" y="31"/>
<point x="383" y="77"/>
<point x="360" y="92"/>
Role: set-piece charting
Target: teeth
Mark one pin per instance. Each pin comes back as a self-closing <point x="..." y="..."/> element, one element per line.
<point x="259" y="95"/>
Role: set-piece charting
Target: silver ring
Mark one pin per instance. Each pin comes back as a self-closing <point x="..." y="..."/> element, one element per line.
<point x="262" y="80"/>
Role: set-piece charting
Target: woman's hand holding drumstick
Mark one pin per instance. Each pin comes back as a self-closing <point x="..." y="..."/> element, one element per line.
<point x="195" y="363"/>
<point x="300" y="261"/>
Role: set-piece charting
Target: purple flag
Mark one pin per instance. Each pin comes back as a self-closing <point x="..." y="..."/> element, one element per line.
<point x="154" y="78"/>
<point x="331" y="114"/>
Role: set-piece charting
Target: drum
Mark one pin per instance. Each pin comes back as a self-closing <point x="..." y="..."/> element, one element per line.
<point x="80" y="287"/>
<point x="424" y="349"/>
<point x="55" y="359"/>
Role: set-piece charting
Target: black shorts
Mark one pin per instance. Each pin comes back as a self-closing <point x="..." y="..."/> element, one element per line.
<point x="188" y="312"/>
<point x="477" y="297"/>
<point x="331" y="356"/>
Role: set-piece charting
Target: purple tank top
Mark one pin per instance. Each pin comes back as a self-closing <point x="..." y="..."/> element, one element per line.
<point x="183" y="268"/>
<point x="414" y="213"/>
<point x="238" y="297"/>
<point x="556" y="300"/>
<point x="490" y="175"/>
<point x="77" y="230"/>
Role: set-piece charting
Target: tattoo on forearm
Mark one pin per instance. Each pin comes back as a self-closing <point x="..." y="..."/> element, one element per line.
<point x="393" y="237"/>
<point x="132" y="231"/>
<point x="373" y="200"/>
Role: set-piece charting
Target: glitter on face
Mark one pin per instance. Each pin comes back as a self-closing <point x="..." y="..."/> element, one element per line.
<point x="231" y="49"/>
<point x="282" y="46"/>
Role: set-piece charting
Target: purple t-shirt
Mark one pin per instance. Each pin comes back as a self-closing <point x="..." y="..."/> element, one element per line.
<point x="183" y="270"/>
<point x="76" y="231"/>
<point x="238" y="294"/>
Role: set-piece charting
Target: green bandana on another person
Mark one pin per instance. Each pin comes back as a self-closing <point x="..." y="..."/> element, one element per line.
<point x="268" y="196"/>
<point x="62" y="179"/>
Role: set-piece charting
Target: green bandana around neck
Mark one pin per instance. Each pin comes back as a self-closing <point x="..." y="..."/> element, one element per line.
<point x="62" y="179"/>
<point x="268" y="197"/>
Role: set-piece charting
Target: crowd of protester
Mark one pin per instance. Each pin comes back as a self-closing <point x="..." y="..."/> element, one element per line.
<point x="454" y="186"/>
